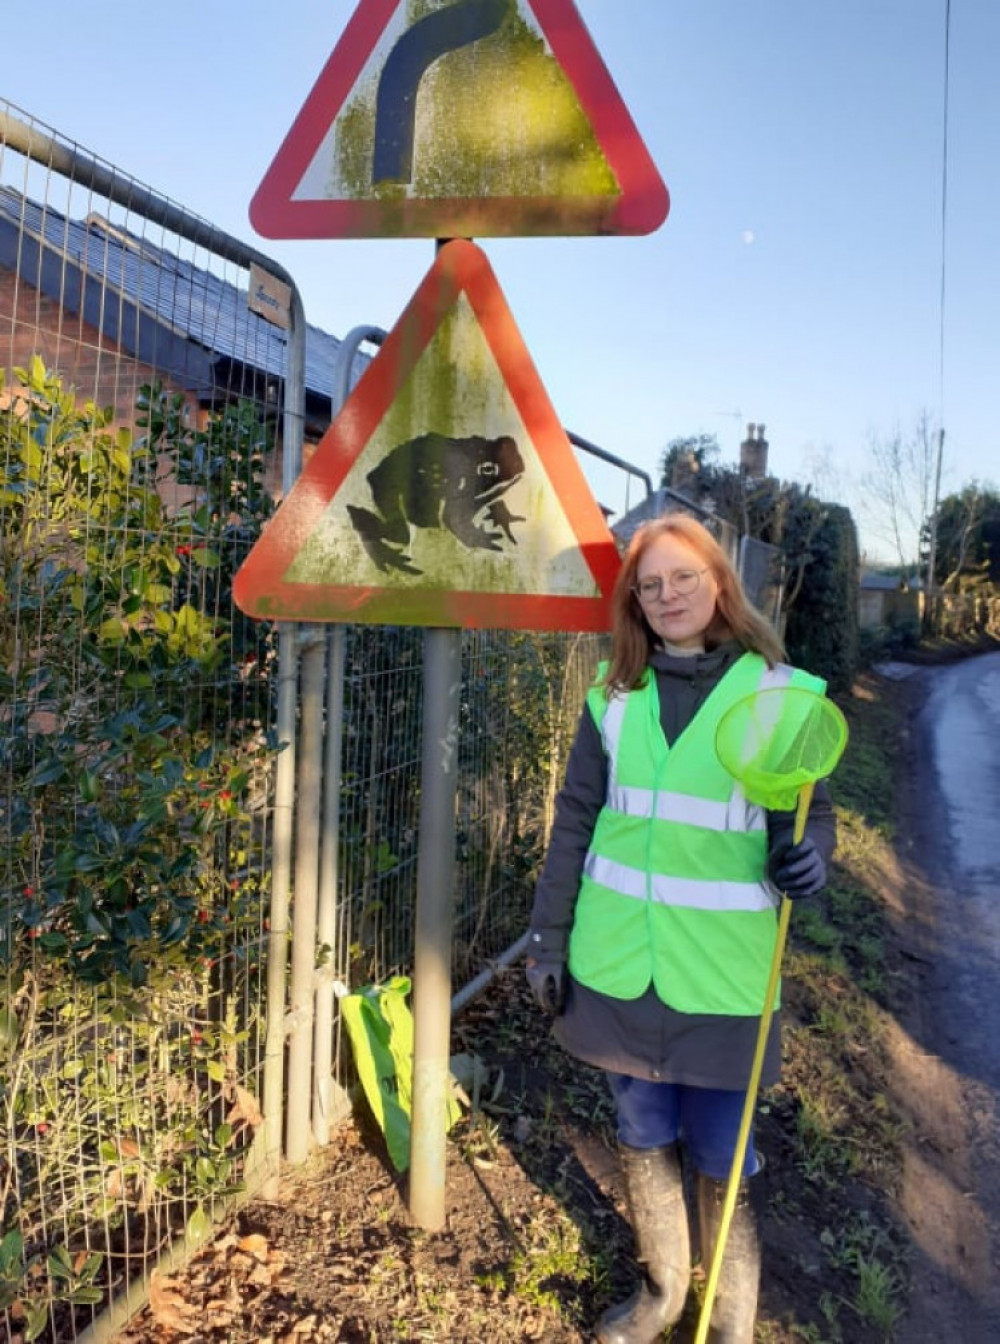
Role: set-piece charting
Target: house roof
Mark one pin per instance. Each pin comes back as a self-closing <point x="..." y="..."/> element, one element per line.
<point x="178" y="316"/>
<point x="887" y="582"/>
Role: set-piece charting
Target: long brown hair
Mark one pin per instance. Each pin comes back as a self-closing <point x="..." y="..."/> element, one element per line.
<point x="735" y="617"/>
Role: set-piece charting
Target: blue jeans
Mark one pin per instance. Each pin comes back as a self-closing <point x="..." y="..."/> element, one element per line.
<point x="705" y="1119"/>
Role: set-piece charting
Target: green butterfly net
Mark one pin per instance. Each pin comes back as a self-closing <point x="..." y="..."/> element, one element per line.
<point x="775" y="742"/>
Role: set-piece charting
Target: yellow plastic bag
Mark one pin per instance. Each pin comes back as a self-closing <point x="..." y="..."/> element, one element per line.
<point x="380" y="1027"/>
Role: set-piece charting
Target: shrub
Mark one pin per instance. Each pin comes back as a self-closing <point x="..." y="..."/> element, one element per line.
<point x="134" y="755"/>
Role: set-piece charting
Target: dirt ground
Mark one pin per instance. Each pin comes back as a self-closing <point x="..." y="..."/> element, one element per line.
<point x="337" y="1258"/>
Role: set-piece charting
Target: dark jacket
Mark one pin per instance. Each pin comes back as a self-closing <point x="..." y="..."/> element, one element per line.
<point x="643" y="1037"/>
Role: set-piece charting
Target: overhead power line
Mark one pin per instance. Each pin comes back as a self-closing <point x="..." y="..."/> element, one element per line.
<point x="942" y="294"/>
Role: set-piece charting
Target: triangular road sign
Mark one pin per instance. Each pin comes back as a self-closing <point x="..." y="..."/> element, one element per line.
<point x="445" y="492"/>
<point x="474" y="118"/>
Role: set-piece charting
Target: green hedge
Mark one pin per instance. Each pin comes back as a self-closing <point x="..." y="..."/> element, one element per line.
<point x="822" y="627"/>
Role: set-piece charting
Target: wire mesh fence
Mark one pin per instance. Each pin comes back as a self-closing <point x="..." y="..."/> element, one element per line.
<point x="140" y="455"/>
<point x="138" y="424"/>
<point x="520" y="699"/>
<point x="762" y="570"/>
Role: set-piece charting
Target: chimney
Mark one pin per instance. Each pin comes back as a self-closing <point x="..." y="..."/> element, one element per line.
<point x="753" y="453"/>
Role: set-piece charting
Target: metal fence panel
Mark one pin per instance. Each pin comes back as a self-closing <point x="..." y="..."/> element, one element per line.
<point x="521" y="696"/>
<point x="138" y="418"/>
<point x="762" y="570"/>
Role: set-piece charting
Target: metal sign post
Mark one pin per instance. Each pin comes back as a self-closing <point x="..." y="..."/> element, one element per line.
<point x="432" y="943"/>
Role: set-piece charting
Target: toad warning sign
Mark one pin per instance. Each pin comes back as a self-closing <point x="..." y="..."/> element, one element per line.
<point x="445" y="492"/>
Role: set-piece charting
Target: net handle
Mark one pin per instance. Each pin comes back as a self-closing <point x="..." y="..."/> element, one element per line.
<point x="736" y="1171"/>
<point x="802" y="811"/>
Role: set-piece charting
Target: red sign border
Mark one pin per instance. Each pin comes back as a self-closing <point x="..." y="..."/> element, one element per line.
<point x="460" y="267"/>
<point x="641" y="208"/>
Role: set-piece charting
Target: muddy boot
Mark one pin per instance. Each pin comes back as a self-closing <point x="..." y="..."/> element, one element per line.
<point x="655" y="1194"/>
<point x="735" y="1306"/>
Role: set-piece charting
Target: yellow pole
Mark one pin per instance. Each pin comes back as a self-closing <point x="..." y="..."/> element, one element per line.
<point x="732" y="1189"/>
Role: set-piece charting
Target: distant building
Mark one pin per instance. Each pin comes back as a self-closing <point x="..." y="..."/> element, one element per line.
<point x="888" y="599"/>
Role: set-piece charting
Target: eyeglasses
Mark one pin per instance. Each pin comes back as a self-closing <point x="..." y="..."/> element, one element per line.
<point x="684" y="582"/>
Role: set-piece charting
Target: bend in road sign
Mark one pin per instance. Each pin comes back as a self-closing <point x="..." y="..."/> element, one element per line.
<point x="446" y="491"/>
<point x="474" y="118"/>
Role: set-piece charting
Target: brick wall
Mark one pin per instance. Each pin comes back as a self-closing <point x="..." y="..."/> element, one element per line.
<point x="90" y="364"/>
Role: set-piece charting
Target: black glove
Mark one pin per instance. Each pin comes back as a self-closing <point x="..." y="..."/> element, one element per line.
<point x="798" y="870"/>
<point x="547" y="982"/>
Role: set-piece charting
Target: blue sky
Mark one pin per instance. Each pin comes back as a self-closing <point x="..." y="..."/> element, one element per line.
<point x="797" y="279"/>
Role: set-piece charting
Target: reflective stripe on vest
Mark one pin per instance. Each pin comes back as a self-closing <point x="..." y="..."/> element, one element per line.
<point x="734" y="815"/>
<point x="691" y="893"/>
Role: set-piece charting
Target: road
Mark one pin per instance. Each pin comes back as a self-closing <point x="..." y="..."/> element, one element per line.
<point x="949" y="843"/>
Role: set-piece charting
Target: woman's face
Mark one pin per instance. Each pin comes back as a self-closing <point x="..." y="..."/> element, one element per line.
<point x="685" y="605"/>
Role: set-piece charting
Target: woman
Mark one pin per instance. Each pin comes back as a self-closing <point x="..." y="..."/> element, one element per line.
<point x="654" y="920"/>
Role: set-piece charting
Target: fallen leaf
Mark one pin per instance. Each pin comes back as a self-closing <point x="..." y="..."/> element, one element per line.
<point x="220" y="1311"/>
<point x="168" y="1305"/>
<point x="254" y="1245"/>
<point x="244" y="1108"/>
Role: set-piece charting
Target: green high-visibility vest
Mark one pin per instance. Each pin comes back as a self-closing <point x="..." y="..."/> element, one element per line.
<point x="673" y="891"/>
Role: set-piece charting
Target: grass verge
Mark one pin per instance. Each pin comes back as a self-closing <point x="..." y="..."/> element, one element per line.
<point x="832" y="1115"/>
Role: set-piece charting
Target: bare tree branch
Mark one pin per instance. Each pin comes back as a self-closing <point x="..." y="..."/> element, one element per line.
<point x="897" y="490"/>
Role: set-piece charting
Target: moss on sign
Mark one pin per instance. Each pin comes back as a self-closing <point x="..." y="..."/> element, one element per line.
<point x="497" y="117"/>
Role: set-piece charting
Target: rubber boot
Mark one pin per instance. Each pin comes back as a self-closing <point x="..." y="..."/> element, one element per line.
<point x="735" y="1306"/>
<point x="658" y="1214"/>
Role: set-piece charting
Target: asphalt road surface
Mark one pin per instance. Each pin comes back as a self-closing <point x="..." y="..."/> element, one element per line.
<point x="950" y="840"/>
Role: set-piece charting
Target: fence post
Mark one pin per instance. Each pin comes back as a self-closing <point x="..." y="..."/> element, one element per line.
<point x="328" y="896"/>
<point x="301" y="1015"/>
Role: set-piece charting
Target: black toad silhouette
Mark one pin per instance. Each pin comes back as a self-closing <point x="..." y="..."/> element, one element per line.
<point x="435" y="481"/>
